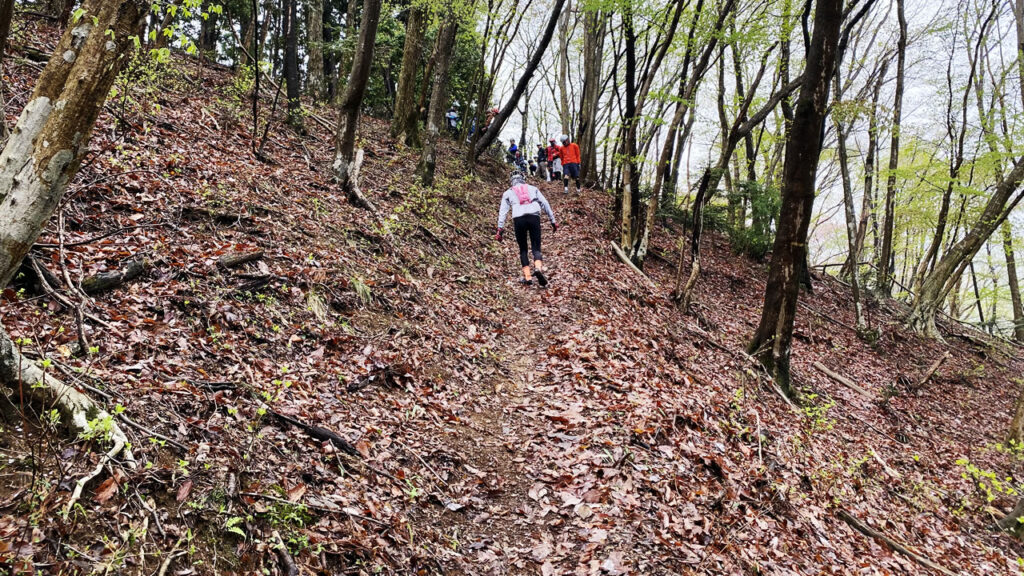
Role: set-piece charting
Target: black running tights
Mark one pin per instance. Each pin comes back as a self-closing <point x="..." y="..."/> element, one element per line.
<point x="528" y="225"/>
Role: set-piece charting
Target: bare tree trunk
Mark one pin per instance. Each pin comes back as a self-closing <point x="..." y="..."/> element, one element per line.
<point x="884" y="257"/>
<point x="352" y="98"/>
<point x="1016" y="432"/>
<point x="772" y="341"/>
<point x="40" y="158"/>
<point x="563" y="71"/>
<point x="405" y="123"/>
<point x="1014" y="282"/>
<point x="291" y="63"/>
<point x="315" y="85"/>
<point x="867" y="203"/>
<point x="594" y="24"/>
<point x="442" y="62"/>
<point x="849" y="209"/>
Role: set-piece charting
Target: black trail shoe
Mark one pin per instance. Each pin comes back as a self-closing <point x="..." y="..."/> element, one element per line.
<point x="541" y="278"/>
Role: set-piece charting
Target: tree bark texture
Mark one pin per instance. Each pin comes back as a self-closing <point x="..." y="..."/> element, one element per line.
<point x="594" y="25"/>
<point x="352" y="97"/>
<point x="772" y="341"/>
<point x="291" y="62"/>
<point x="1014" y="282"/>
<point x="885" y="254"/>
<point x="315" y="85"/>
<point x="52" y="134"/>
<point x="405" y="123"/>
<point x="438" y="95"/>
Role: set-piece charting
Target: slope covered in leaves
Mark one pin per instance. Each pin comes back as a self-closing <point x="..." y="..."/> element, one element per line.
<point x="591" y="428"/>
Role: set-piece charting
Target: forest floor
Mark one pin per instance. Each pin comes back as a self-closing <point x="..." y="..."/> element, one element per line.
<point x="488" y="428"/>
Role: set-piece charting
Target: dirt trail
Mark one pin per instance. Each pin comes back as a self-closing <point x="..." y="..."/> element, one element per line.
<point x="498" y="443"/>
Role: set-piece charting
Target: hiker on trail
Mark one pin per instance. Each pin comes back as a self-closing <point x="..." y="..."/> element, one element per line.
<point x="570" y="163"/>
<point x="452" y="119"/>
<point x="542" y="163"/>
<point x="526" y="202"/>
<point x="510" y="154"/>
<point x="555" y="160"/>
<point x="533" y="167"/>
<point x="490" y="116"/>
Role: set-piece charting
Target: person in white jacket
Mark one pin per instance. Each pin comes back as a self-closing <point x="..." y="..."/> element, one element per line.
<point x="525" y="202"/>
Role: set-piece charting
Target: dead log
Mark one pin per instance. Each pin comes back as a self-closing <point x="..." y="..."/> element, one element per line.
<point x="1012" y="522"/>
<point x="107" y="280"/>
<point x="930" y="372"/>
<point x="625" y="260"/>
<point x="235" y="259"/>
<point x="843" y="380"/>
<point x="318" y="433"/>
<point x="892" y="544"/>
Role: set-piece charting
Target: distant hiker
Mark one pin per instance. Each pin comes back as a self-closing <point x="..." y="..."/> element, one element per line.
<point x="452" y="119"/>
<point x="526" y="202"/>
<point x="513" y="150"/>
<point x="533" y="167"/>
<point x="571" y="163"/>
<point x="490" y="116"/>
<point x="555" y="160"/>
<point x="542" y="163"/>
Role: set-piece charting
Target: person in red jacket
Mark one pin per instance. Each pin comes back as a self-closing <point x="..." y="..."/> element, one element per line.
<point x="555" y="160"/>
<point x="570" y="163"/>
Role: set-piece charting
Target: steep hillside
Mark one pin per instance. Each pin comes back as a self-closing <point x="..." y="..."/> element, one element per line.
<point x="479" y="427"/>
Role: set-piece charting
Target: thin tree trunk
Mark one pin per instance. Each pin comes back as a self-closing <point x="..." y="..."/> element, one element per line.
<point x="405" y="123"/>
<point x="883" y="263"/>
<point x="867" y="202"/>
<point x="352" y="98"/>
<point x="851" y="216"/>
<point x="563" y="70"/>
<point x="315" y="85"/>
<point x="291" y="63"/>
<point x="1013" y="282"/>
<point x="438" y="94"/>
<point x="594" y="24"/>
<point x="771" y="343"/>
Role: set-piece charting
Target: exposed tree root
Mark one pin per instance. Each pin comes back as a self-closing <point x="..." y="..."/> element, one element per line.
<point x="77" y="409"/>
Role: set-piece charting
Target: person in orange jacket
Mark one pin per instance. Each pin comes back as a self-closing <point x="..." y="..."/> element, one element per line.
<point x="570" y="163"/>
<point x="554" y="160"/>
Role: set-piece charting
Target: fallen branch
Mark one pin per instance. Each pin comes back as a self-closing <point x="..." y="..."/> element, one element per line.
<point x="892" y="544"/>
<point x="319" y="508"/>
<point x="625" y="259"/>
<point x="287" y="562"/>
<point x="77" y="409"/>
<point x="235" y="259"/>
<point x="107" y="280"/>
<point x="318" y="433"/>
<point x="931" y="371"/>
<point x="843" y="380"/>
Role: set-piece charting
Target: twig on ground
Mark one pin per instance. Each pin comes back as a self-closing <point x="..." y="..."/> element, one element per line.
<point x="287" y="562"/>
<point x="843" y="380"/>
<point x="174" y="553"/>
<point x="892" y="544"/>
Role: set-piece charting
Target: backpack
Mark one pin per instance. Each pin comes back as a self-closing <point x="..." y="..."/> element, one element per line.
<point x="522" y="193"/>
